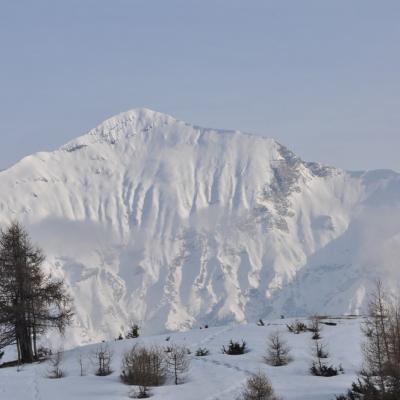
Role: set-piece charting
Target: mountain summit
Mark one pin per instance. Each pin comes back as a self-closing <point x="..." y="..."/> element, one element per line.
<point x="171" y="225"/>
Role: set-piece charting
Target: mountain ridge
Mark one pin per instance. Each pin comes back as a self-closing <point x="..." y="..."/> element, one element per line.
<point x="151" y="219"/>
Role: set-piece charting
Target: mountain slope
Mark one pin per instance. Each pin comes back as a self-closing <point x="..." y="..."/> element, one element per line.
<point x="172" y="225"/>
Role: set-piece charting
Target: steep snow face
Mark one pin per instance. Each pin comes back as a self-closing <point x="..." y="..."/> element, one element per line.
<point x="151" y="219"/>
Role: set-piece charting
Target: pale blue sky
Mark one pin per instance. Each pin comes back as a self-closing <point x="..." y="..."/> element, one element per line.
<point x="322" y="77"/>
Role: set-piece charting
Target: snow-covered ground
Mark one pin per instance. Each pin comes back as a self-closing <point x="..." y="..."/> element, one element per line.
<point x="217" y="376"/>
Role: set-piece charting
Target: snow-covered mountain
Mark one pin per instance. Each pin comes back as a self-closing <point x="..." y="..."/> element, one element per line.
<point x="172" y="225"/>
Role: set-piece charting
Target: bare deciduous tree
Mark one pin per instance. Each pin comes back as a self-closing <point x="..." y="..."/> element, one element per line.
<point x="178" y="362"/>
<point x="102" y="359"/>
<point x="380" y="377"/>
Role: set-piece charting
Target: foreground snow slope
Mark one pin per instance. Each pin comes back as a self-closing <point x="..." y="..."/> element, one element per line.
<point x="172" y="225"/>
<point x="213" y="377"/>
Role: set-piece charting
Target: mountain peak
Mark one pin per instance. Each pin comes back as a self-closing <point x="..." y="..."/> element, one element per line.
<point x="122" y="125"/>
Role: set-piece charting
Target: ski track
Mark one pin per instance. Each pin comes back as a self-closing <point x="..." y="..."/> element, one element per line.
<point x="210" y="338"/>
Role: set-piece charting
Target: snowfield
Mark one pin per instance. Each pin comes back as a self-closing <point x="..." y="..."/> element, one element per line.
<point x="214" y="377"/>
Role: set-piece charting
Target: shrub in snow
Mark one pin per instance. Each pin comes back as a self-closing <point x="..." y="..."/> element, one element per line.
<point x="142" y="392"/>
<point x="202" y="351"/>
<point x="133" y="331"/>
<point x="319" y="368"/>
<point x="144" y="367"/>
<point x="260" y="322"/>
<point x="278" y="352"/>
<point x="315" y="327"/>
<point x="297" y="327"/>
<point x="102" y="358"/>
<point x="178" y="362"/>
<point x="234" y="348"/>
<point x="258" y="387"/>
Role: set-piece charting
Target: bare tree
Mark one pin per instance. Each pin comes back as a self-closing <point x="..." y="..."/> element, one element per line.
<point x="278" y="351"/>
<point x="102" y="358"/>
<point x="81" y="364"/>
<point x="258" y="387"/>
<point x="55" y="361"/>
<point x="380" y="377"/>
<point x="31" y="302"/>
<point x="178" y="362"/>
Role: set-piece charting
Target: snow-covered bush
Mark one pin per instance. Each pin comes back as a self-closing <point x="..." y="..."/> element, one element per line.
<point x="202" y="352"/>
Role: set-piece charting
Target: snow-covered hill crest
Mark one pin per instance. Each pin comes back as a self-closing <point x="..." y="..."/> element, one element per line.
<point x="152" y="219"/>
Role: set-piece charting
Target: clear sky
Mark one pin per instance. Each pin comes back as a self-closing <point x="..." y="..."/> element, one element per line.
<point x="322" y="77"/>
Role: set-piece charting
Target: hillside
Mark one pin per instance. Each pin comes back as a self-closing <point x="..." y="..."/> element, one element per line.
<point x="214" y="377"/>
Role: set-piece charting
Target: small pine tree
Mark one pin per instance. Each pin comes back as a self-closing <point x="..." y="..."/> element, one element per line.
<point x="319" y="366"/>
<point x="133" y="331"/>
<point x="278" y="352"/>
